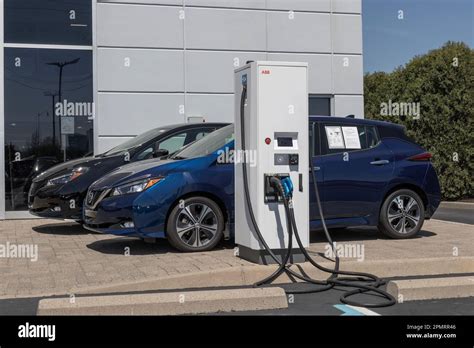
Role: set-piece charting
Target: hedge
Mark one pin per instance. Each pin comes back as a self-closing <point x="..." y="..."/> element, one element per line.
<point x="441" y="82"/>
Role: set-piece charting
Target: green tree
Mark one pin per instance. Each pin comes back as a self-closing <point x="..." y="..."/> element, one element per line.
<point x="442" y="81"/>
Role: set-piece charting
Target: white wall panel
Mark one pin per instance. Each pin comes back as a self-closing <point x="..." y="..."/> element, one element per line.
<point x="347" y="6"/>
<point x="129" y="70"/>
<point x="213" y="72"/>
<point x="127" y="25"/>
<point x="347" y="33"/>
<point x="214" y="108"/>
<point x="300" y="5"/>
<point x="306" y="32"/>
<point x="228" y="3"/>
<point x="347" y="74"/>
<point x="349" y="105"/>
<point x="131" y="113"/>
<point x="319" y="69"/>
<point x="153" y="2"/>
<point x="208" y="28"/>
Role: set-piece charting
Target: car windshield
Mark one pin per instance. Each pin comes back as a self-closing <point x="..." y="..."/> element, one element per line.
<point x="137" y="141"/>
<point x="208" y="144"/>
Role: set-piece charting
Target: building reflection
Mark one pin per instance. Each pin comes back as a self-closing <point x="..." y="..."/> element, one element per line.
<point x="36" y="136"/>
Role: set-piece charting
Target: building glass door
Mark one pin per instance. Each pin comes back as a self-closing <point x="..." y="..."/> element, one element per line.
<point x="48" y="90"/>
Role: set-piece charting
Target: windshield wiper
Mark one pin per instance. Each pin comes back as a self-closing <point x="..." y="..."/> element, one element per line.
<point x="178" y="157"/>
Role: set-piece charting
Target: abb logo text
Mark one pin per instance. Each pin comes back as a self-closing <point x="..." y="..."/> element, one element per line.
<point x="265" y="72"/>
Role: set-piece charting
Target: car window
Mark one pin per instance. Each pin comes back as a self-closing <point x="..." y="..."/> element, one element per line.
<point x="372" y="136"/>
<point x="201" y="135"/>
<point x="172" y="144"/>
<point x="176" y="142"/>
<point x="208" y="144"/>
<point x="136" y="141"/>
<point x="338" y="138"/>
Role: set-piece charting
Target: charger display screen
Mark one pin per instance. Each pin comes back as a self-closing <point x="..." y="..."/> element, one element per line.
<point x="285" y="142"/>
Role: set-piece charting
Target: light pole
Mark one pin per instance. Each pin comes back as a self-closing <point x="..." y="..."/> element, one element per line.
<point x="52" y="95"/>
<point x="61" y="66"/>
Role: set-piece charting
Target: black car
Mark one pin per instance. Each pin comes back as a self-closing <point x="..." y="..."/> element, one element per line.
<point x="59" y="192"/>
<point x="19" y="176"/>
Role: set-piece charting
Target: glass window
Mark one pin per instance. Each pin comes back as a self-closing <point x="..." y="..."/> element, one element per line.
<point x="208" y="144"/>
<point x="48" y="114"/>
<point x="173" y="143"/>
<point x="48" y="22"/>
<point x="337" y="138"/>
<point x="136" y="142"/>
<point x="319" y="106"/>
<point x="372" y="136"/>
<point x="201" y="135"/>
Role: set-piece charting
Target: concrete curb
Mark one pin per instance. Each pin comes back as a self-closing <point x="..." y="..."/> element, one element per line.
<point x="171" y="303"/>
<point x="248" y="275"/>
<point x="431" y="288"/>
<point x="457" y="205"/>
<point x="453" y="223"/>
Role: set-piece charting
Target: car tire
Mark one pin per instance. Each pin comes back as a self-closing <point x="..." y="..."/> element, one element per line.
<point x="189" y="230"/>
<point x="402" y="214"/>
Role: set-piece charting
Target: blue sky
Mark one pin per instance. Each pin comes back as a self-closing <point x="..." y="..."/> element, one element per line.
<point x="427" y="24"/>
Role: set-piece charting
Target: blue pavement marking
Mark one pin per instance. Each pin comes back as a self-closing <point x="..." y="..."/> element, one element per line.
<point x="348" y="310"/>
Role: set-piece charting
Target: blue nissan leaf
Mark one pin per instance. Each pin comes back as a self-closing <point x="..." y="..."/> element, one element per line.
<point x="389" y="182"/>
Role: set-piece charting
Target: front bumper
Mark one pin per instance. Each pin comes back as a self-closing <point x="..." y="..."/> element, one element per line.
<point x="51" y="204"/>
<point x="114" y="215"/>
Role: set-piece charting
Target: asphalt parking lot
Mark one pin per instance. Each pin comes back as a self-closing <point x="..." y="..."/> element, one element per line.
<point x="328" y="303"/>
<point x="322" y="303"/>
<point x="462" y="212"/>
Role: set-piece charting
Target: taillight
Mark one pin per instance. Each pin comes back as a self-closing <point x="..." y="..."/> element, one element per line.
<point x="425" y="156"/>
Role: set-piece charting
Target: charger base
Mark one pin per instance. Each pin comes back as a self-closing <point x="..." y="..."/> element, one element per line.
<point x="262" y="257"/>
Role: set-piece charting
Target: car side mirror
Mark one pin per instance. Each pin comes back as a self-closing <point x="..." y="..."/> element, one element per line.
<point x="160" y="153"/>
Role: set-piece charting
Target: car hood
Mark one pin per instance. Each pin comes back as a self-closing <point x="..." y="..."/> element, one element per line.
<point x="136" y="171"/>
<point x="66" y="167"/>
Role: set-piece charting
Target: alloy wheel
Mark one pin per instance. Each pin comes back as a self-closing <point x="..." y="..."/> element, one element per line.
<point x="196" y="224"/>
<point x="403" y="214"/>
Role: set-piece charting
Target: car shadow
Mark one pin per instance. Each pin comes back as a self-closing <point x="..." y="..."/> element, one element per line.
<point x="62" y="228"/>
<point x="358" y="234"/>
<point x="136" y="246"/>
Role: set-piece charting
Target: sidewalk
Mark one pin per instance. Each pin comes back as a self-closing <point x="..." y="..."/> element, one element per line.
<point x="73" y="260"/>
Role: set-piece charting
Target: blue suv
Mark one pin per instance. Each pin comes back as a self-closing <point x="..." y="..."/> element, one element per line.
<point x="382" y="179"/>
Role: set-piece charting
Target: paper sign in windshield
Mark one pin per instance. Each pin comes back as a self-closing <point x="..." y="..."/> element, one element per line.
<point x="351" y="137"/>
<point x="334" y="135"/>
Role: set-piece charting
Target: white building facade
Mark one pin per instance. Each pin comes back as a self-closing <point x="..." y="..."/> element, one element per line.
<point x="122" y="67"/>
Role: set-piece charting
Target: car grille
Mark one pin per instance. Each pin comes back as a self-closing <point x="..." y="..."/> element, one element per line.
<point x="92" y="197"/>
<point x="32" y="192"/>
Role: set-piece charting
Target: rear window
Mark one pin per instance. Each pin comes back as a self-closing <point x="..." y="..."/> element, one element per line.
<point x="395" y="132"/>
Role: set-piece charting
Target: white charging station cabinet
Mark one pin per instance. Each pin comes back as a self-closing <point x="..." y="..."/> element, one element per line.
<point x="276" y="138"/>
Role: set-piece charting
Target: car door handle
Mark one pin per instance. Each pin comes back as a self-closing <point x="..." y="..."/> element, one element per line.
<point x="380" y="162"/>
<point x="315" y="169"/>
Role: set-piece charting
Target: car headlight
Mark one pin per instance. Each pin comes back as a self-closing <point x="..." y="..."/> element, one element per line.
<point x="64" y="179"/>
<point x="135" y="187"/>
